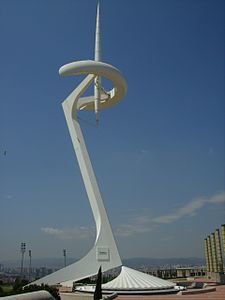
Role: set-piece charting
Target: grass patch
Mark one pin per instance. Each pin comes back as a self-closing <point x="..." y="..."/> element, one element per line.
<point x="6" y="288"/>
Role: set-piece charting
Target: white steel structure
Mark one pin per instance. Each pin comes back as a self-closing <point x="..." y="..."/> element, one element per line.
<point x="104" y="253"/>
<point x="133" y="282"/>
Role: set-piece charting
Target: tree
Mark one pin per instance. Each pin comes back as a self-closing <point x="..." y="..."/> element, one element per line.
<point x="1" y="291"/>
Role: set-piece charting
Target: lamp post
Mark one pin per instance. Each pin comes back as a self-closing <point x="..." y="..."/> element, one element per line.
<point x="23" y="250"/>
<point x="29" y="265"/>
<point x="64" y="254"/>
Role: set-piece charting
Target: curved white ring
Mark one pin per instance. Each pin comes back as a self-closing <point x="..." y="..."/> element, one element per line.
<point x="98" y="69"/>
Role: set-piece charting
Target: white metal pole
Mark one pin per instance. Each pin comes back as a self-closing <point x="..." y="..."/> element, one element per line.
<point x="97" y="82"/>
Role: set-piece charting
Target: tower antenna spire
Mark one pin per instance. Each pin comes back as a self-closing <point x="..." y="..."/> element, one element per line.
<point x="98" y="35"/>
<point x="97" y="82"/>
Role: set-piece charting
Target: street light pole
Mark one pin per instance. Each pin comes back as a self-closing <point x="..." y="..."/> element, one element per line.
<point x="64" y="254"/>
<point x="23" y="250"/>
<point x="29" y="265"/>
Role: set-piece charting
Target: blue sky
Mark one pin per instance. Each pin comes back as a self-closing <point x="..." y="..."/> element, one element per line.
<point x="158" y="155"/>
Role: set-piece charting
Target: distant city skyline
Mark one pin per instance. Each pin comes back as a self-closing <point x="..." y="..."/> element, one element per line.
<point x="158" y="155"/>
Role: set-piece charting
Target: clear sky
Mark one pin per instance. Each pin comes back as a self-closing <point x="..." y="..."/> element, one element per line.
<point x="158" y="155"/>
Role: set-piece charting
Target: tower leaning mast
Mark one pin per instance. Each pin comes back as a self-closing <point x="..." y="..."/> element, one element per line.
<point x="98" y="57"/>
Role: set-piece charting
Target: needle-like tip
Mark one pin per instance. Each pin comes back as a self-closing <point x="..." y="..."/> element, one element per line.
<point x="97" y="87"/>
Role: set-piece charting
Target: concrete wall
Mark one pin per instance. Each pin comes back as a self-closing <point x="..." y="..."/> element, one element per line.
<point x="76" y="296"/>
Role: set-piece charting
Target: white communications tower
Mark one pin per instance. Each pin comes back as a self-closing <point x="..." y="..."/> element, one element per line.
<point x="104" y="253"/>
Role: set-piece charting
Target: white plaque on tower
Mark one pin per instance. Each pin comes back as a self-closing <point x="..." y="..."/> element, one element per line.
<point x="102" y="254"/>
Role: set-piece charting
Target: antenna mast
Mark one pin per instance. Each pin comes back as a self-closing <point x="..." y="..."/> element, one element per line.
<point x="97" y="82"/>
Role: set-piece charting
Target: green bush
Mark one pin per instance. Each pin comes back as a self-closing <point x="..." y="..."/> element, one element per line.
<point x="1" y="291"/>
